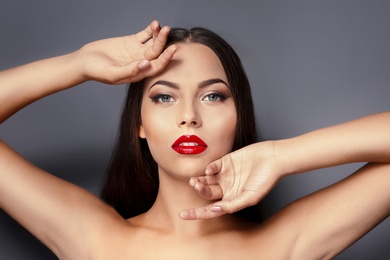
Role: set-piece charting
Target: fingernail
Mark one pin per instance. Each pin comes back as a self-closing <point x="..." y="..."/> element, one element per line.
<point x="183" y="214"/>
<point x="144" y="64"/>
<point x="197" y="186"/>
<point x="216" y="209"/>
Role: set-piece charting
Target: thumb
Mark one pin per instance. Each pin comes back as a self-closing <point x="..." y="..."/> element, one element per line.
<point x="128" y="73"/>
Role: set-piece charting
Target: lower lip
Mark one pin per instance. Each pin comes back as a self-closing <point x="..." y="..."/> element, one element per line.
<point x="189" y="149"/>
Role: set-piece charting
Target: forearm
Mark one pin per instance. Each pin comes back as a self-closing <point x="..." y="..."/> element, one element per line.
<point x="114" y="61"/>
<point x="23" y="85"/>
<point x="363" y="140"/>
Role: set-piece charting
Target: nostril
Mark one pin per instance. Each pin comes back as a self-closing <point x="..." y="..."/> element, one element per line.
<point x="190" y="123"/>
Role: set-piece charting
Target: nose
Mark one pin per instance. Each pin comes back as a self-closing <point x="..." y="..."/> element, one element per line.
<point x="189" y="116"/>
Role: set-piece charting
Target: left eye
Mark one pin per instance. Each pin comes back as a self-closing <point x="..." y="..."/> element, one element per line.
<point x="214" y="97"/>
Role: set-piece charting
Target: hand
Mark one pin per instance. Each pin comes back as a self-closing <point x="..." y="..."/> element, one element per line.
<point x="128" y="58"/>
<point x="239" y="180"/>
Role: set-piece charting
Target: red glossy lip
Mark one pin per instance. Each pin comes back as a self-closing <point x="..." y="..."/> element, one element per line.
<point x="189" y="144"/>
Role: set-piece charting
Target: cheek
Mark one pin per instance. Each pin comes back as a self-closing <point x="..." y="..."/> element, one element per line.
<point x="155" y="127"/>
<point x="223" y="130"/>
<point x="152" y="125"/>
<point x="230" y="129"/>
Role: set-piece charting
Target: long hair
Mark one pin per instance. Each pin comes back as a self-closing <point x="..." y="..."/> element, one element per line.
<point x="131" y="182"/>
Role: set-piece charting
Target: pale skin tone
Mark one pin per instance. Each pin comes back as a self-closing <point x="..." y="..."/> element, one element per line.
<point x="317" y="226"/>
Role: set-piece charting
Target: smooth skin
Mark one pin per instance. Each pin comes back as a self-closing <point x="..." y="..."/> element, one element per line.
<point x="75" y="224"/>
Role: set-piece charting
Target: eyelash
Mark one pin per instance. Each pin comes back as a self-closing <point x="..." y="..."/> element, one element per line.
<point x="158" y="98"/>
<point x="219" y="96"/>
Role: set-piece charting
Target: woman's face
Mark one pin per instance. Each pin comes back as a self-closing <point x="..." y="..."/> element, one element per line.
<point x="188" y="113"/>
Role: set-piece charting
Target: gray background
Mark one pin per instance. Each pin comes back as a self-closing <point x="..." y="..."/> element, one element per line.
<point x="311" y="64"/>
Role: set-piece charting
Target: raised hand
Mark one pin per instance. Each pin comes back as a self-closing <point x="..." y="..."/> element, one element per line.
<point x="128" y="58"/>
<point x="238" y="180"/>
<point x="114" y="61"/>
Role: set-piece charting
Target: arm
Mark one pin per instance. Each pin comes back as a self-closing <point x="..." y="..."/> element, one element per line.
<point x="362" y="140"/>
<point x="330" y="219"/>
<point x="258" y="167"/>
<point x="114" y="61"/>
<point x="61" y="215"/>
<point x="66" y="218"/>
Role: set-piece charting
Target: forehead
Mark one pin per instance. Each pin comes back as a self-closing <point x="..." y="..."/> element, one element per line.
<point x="192" y="62"/>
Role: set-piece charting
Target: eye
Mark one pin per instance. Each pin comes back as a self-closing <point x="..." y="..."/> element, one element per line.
<point x="214" y="97"/>
<point x="162" y="98"/>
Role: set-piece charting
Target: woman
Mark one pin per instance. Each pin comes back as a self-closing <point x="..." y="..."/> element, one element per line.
<point x="129" y="182"/>
<point x="190" y="118"/>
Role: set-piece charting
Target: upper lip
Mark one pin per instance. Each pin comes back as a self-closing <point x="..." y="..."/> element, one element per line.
<point x="191" y="140"/>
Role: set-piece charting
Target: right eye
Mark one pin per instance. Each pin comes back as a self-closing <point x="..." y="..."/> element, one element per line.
<point x="162" y="98"/>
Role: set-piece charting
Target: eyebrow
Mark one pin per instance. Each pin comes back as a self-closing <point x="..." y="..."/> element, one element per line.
<point x="202" y="84"/>
<point x="165" y="83"/>
<point x="209" y="82"/>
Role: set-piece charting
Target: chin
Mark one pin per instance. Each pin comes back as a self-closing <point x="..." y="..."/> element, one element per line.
<point x="184" y="169"/>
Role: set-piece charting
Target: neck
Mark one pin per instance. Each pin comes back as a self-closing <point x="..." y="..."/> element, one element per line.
<point x="174" y="196"/>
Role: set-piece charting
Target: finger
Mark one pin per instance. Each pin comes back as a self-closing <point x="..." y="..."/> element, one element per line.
<point x="124" y="74"/>
<point x="210" y="192"/>
<point x="155" y="29"/>
<point x="141" y="69"/>
<point x="206" y="180"/>
<point x="244" y="200"/>
<point x="158" y="44"/>
<point x="207" y="212"/>
<point x="144" y="64"/>
<point x="161" y="62"/>
<point x="147" y="33"/>
<point x="214" y="167"/>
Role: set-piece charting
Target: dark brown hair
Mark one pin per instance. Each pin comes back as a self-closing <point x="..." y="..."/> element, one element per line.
<point x="131" y="182"/>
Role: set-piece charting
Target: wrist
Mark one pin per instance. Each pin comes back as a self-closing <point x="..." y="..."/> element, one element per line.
<point x="284" y="154"/>
<point x="294" y="156"/>
<point x="77" y="67"/>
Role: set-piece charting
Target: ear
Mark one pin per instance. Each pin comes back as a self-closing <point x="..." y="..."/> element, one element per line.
<point x="141" y="133"/>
